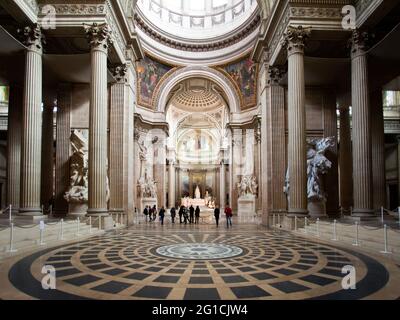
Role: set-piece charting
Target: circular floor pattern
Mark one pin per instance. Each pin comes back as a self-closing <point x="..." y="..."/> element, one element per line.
<point x="199" y="251"/>
<point x="132" y="265"/>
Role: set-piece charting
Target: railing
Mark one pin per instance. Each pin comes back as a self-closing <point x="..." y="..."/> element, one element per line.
<point x="382" y="226"/>
<point x="13" y="227"/>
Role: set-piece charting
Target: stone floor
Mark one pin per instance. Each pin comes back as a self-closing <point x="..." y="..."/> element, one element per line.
<point x="198" y="262"/>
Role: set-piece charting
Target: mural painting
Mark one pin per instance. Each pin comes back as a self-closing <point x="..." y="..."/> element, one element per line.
<point x="244" y="73"/>
<point x="150" y="73"/>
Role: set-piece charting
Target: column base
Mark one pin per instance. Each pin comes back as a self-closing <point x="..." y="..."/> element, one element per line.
<point x="30" y="218"/>
<point x="297" y="212"/>
<point x="363" y="213"/>
<point x="30" y="212"/>
<point x="98" y="212"/>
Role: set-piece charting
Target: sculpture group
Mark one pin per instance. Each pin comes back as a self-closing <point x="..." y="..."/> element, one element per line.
<point x="247" y="186"/>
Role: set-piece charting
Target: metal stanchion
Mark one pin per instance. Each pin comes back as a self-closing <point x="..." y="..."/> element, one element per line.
<point x="382" y="214"/>
<point x="90" y="224"/>
<point x="62" y="229"/>
<point x="356" y="243"/>
<point x="77" y="226"/>
<point x="318" y="234"/>
<point x="273" y="220"/>
<point x="305" y="225"/>
<point x="11" y="248"/>
<point x="41" y="227"/>
<point x="99" y="222"/>
<point x="385" y="237"/>
<point x="334" y="231"/>
<point x="10" y="213"/>
<point x="295" y="223"/>
<point x="279" y="220"/>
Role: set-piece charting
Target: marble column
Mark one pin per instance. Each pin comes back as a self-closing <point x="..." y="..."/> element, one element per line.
<point x="117" y="140"/>
<point x="14" y="148"/>
<point x="257" y="163"/>
<point x="171" y="184"/>
<point x="99" y="40"/>
<point x="275" y="153"/>
<point x="398" y="169"/>
<point x="378" y="151"/>
<point x="362" y="164"/>
<point x="297" y="152"/>
<point x="31" y="124"/>
<point x="63" y="135"/>
<point x="331" y="180"/>
<point x="222" y="185"/>
<point x="345" y="161"/>
<point x="47" y="157"/>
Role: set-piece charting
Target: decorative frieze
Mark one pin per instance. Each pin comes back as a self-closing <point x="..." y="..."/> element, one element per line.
<point x="77" y="9"/>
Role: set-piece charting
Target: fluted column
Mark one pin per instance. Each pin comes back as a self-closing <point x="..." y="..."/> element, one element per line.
<point x="378" y="151"/>
<point x="63" y="134"/>
<point x="31" y="124"/>
<point x="398" y="169"/>
<point x="222" y="185"/>
<point x="345" y="160"/>
<point x="171" y="186"/>
<point x="362" y="164"/>
<point x="99" y="40"/>
<point x="275" y="140"/>
<point x="331" y="183"/>
<point x="117" y="139"/>
<point x="14" y="148"/>
<point x="297" y="153"/>
<point x="47" y="156"/>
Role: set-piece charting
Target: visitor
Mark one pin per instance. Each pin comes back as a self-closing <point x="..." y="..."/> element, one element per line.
<point x="185" y="215"/>
<point x="173" y="214"/>
<point x="228" y="213"/>
<point x="162" y="215"/>
<point x="180" y="212"/>
<point x="146" y="212"/>
<point x="154" y="213"/>
<point x="216" y="215"/>
<point x="197" y="214"/>
<point x="191" y="209"/>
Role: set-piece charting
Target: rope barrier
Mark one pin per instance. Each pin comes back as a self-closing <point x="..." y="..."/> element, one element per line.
<point x="26" y="227"/>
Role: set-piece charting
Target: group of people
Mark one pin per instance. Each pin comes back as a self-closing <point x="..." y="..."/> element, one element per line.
<point x="186" y="215"/>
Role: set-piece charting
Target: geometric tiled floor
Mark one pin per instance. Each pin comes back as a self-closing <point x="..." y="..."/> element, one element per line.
<point x="270" y="265"/>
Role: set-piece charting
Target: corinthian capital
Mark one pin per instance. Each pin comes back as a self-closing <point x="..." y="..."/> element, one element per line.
<point x="359" y="42"/>
<point x="98" y="35"/>
<point x="119" y="72"/>
<point x="275" y="74"/>
<point x="32" y="37"/>
<point x="295" y="38"/>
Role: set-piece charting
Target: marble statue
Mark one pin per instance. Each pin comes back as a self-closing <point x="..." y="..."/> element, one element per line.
<point x="147" y="186"/>
<point x="197" y="193"/>
<point x="78" y="187"/>
<point x="317" y="166"/>
<point x="247" y="186"/>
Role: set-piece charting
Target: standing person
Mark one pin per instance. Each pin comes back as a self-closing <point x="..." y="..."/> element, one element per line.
<point x="216" y="215"/>
<point x="180" y="212"/>
<point x="185" y="215"/>
<point x="191" y="210"/>
<point x="197" y="215"/>
<point x="228" y="213"/>
<point x="162" y="215"/>
<point x="154" y="213"/>
<point x="173" y="214"/>
<point x="146" y="212"/>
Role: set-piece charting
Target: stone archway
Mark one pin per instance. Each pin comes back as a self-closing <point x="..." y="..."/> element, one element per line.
<point x="161" y="98"/>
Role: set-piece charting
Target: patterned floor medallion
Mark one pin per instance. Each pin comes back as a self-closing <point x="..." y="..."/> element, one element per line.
<point x="198" y="263"/>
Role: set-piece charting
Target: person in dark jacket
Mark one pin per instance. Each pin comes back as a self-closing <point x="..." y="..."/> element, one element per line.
<point x="228" y="213"/>
<point x="146" y="212"/>
<point x="216" y="215"/>
<point x="197" y="215"/>
<point x="173" y="214"/>
<point x="162" y="215"/>
<point x="191" y="210"/>
<point x="180" y="212"/>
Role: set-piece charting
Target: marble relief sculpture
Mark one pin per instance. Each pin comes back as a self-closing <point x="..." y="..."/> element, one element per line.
<point x="148" y="188"/>
<point x="247" y="186"/>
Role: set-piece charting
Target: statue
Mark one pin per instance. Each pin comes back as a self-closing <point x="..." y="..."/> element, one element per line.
<point x="142" y="151"/>
<point x="247" y="186"/>
<point x="147" y="187"/>
<point x="317" y="165"/>
<point x="197" y="193"/>
<point x="78" y="187"/>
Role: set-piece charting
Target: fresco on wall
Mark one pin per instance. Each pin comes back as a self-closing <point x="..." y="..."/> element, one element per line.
<point x="150" y="73"/>
<point x="244" y="73"/>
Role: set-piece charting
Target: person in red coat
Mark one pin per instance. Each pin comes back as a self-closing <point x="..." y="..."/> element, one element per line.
<point x="228" y="213"/>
